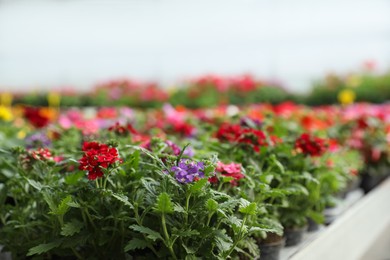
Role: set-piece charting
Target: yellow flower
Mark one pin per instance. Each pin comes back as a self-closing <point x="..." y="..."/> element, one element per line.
<point x="53" y="99"/>
<point x="353" y="81"/>
<point x="5" y="99"/>
<point x="5" y="113"/>
<point x="346" y="96"/>
<point x="21" y="134"/>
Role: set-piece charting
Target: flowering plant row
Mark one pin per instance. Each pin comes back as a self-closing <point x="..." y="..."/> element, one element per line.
<point x="115" y="183"/>
<point x="215" y="90"/>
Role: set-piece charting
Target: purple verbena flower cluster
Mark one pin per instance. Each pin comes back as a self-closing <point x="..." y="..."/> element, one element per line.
<point x="37" y="140"/>
<point x="188" y="171"/>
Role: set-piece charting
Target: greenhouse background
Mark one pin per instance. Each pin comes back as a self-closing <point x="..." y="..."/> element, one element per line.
<point x="55" y="43"/>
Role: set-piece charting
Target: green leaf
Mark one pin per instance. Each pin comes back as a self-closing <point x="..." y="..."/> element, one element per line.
<point x="209" y="169"/>
<point x="123" y="199"/>
<point x="211" y="205"/>
<point x="227" y="179"/>
<point x="43" y="248"/>
<point x="71" y="228"/>
<point x="74" y="204"/>
<point x="197" y="186"/>
<point x="252" y="246"/>
<point x="296" y="188"/>
<point x="189" y="249"/>
<point x="73" y="179"/>
<point x="136" y="243"/>
<point x="135" y="159"/>
<point x="49" y="200"/>
<point x="277" y="163"/>
<point x="186" y="233"/>
<point x="181" y="153"/>
<point x="249" y="209"/>
<point x="63" y="207"/>
<point x="164" y="204"/>
<point x="316" y="216"/>
<point x="35" y="184"/>
<point x="178" y="208"/>
<point x="222" y="241"/>
<point x="191" y="257"/>
<point x="151" y="234"/>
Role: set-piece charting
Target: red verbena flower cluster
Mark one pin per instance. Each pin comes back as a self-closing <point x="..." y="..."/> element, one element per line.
<point x="36" y="116"/>
<point x="96" y="158"/>
<point x="41" y="154"/>
<point x="122" y="129"/>
<point x="236" y="133"/>
<point x="310" y="145"/>
<point x="228" y="170"/>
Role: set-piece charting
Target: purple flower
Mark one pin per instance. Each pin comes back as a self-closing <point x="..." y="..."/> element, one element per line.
<point x="189" y="152"/>
<point x="188" y="171"/>
<point x="37" y="140"/>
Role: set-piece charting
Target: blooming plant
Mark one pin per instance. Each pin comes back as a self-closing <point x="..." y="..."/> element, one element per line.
<point x="187" y="184"/>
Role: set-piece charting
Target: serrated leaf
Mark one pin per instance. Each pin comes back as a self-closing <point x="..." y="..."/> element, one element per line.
<point x="37" y="185"/>
<point x="249" y="209"/>
<point x="211" y="205"/>
<point x="197" y="186"/>
<point x="136" y="243"/>
<point x="164" y="203"/>
<point x="49" y="200"/>
<point x="208" y="170"/>
<point x="74" y="204"/>
<point x="74" y="178"/>
<point x="252" y="246"/>
<point x="43" y="248"/>
<point x="178" y="208"/>
<point x="234" y="221"/>
<point x="151" y="234"/>
<point x="122" y="198"/>
<point x="63" y="207"/>
<point x="189" y="249"/>
<point x="222" y="241"/>
<point x="71" y="228"/>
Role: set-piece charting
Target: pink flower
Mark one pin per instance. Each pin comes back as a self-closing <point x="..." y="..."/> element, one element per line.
<point x="230" y="170"/>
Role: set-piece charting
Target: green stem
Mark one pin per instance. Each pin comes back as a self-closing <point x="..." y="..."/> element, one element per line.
<point x="167" y="238"/>
<point x="105" y="182"/>
<point x="239" y="237"/>
<point x="139" y="222"/>
<point x="208" y="219"/>
<point x="90" y="219"/>
<point x="97" y="183"/>
<point x="187" y="208"/>
<point x="220" y="186"/>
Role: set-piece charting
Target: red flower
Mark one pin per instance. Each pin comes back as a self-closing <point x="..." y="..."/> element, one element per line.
<point x="96" y="157"/>
<point x="36" y="117"/>
<point x="253" y="137"/>
<point x="184" y="129"/>
<point x="42" y="154"/>
<point x="310" y="145"/>
<point x="228" y="132"/>
<point x="234" y="133"/>
<point x="122" y="130"/>
<point x="230" y="170"/>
